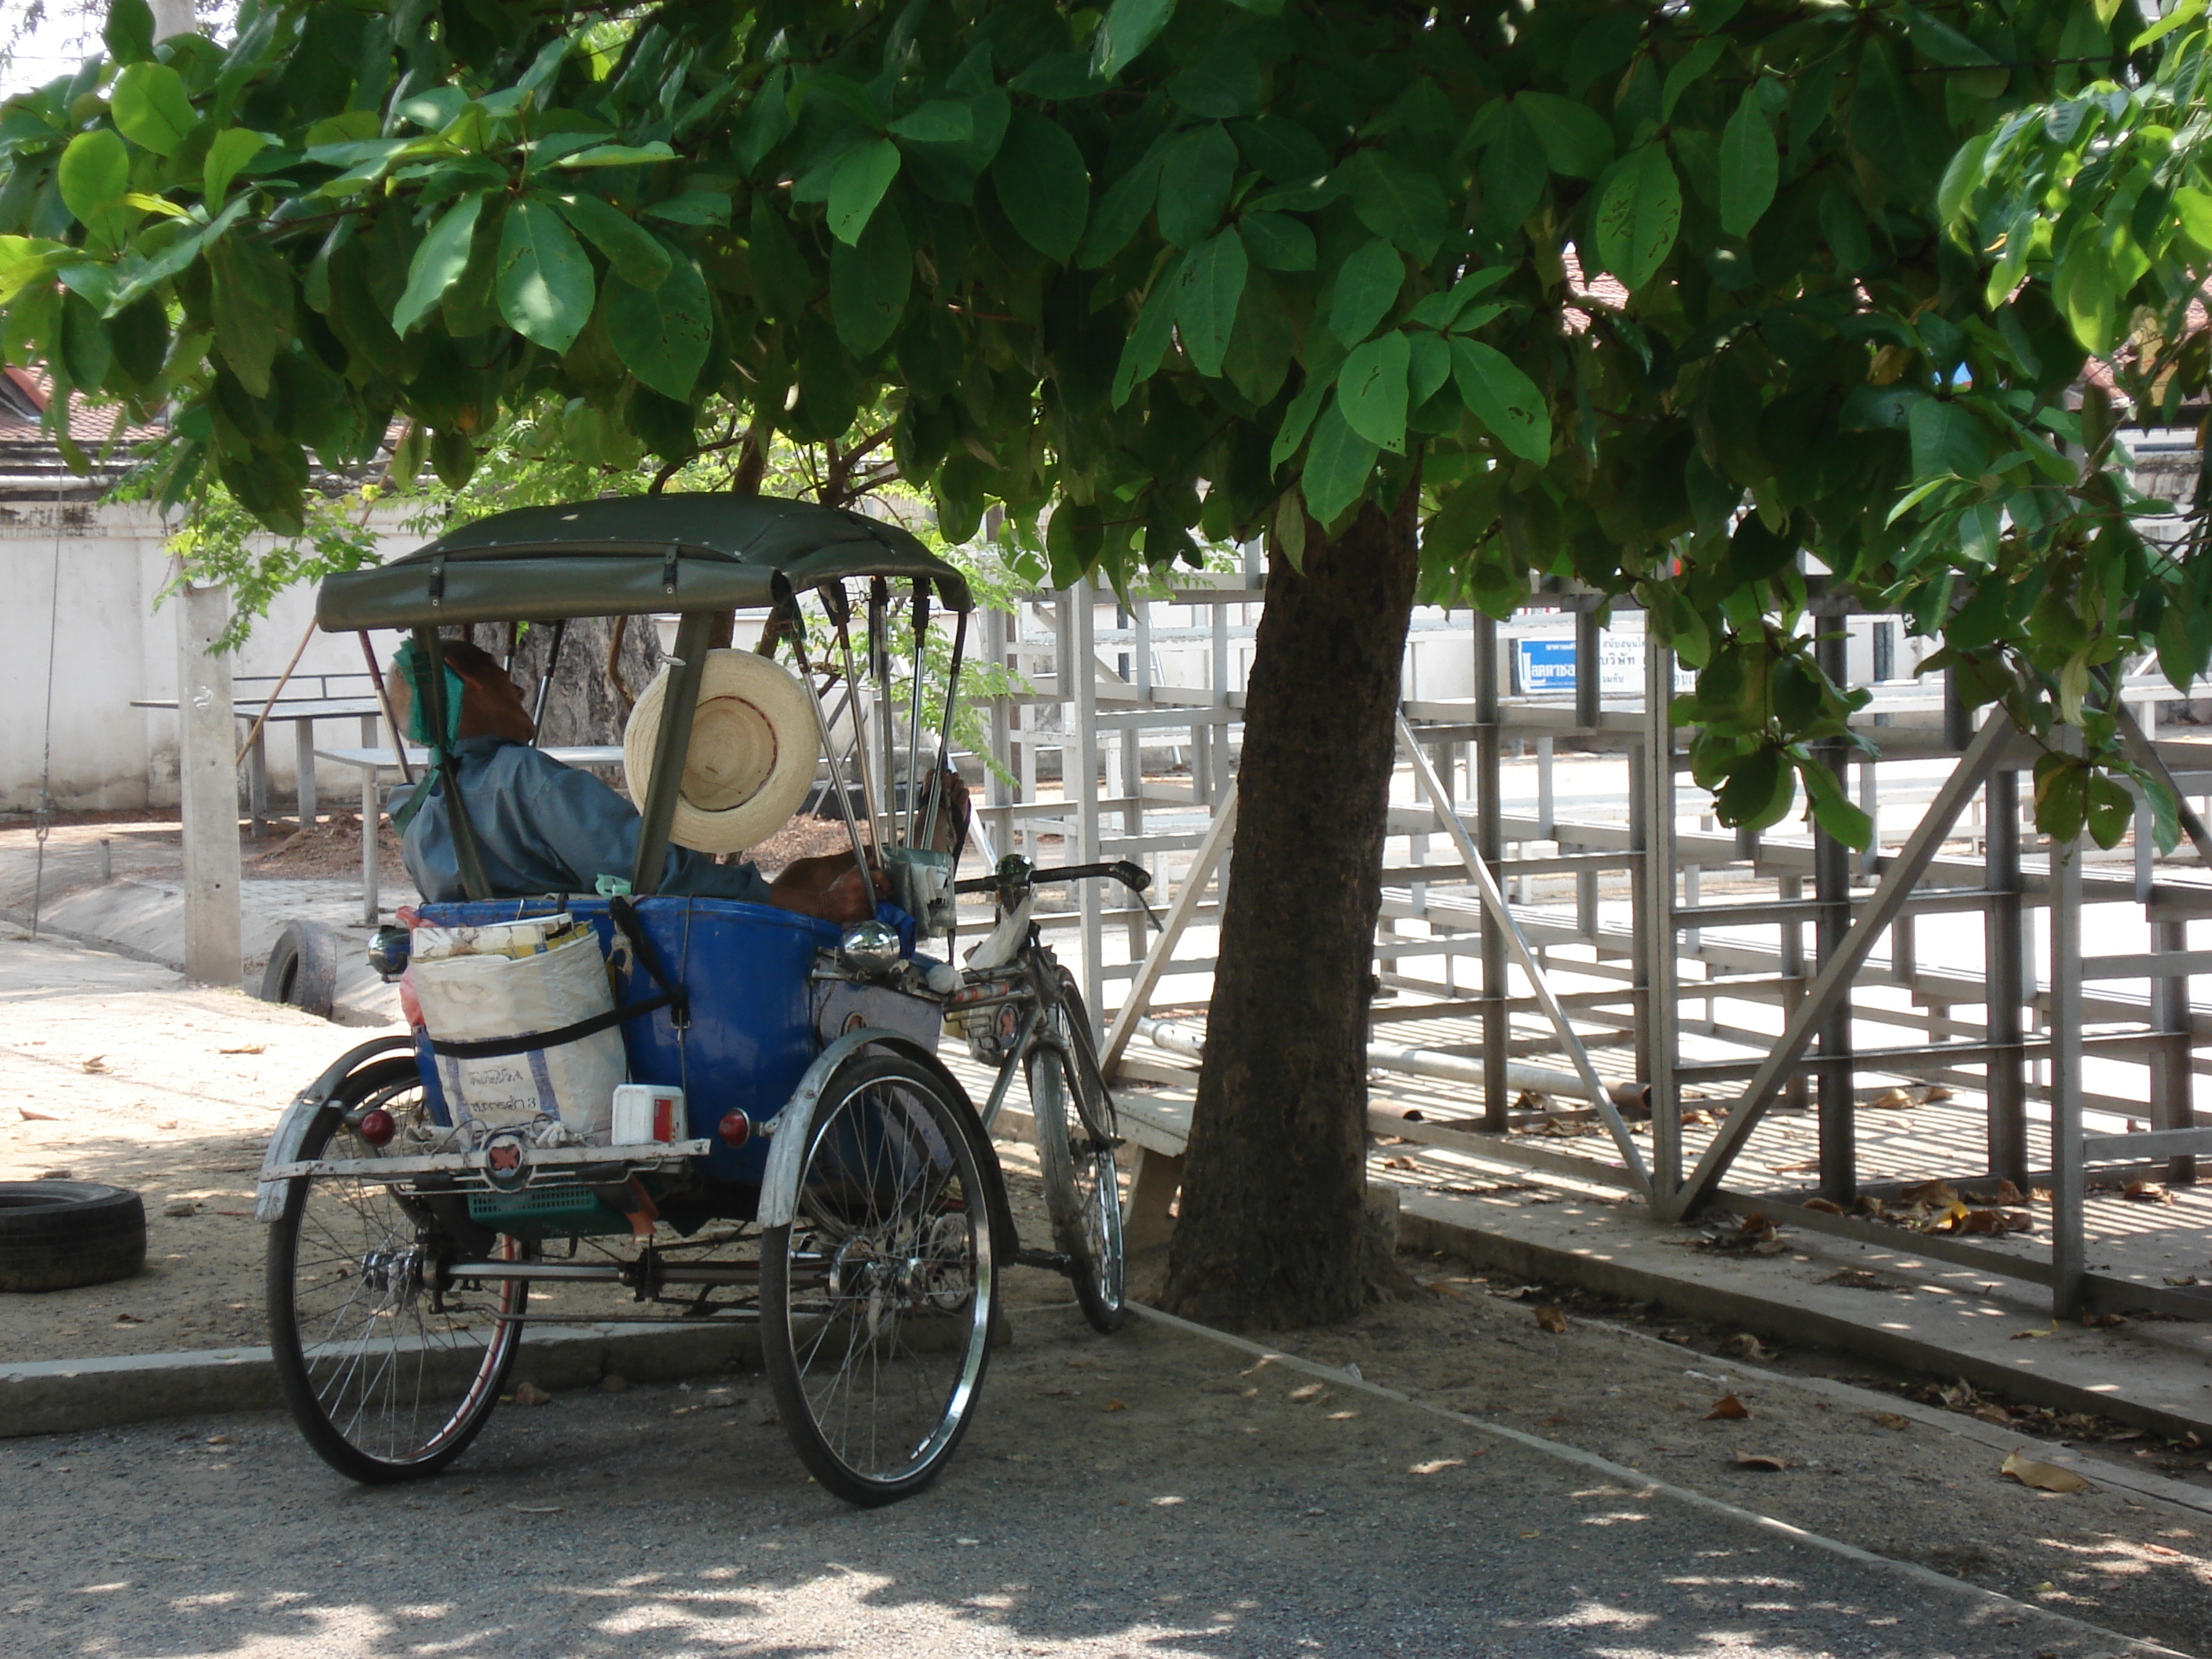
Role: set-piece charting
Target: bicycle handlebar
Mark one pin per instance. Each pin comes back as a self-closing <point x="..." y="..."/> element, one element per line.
<point x="1134" y="877"/>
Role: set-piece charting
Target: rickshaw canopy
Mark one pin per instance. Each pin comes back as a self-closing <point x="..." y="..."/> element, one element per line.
<point x="626" y="557"/>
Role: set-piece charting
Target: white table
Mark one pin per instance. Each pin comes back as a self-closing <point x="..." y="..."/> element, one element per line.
<point x="375" y="764"/>
<point x="301" y="713"/>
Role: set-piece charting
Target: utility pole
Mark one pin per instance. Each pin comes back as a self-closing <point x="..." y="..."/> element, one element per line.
<point x="207" y="781"/>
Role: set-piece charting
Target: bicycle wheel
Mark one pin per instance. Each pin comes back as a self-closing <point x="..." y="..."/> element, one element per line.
<point x="1075" y="1141"/>
<point x="876" y="1302"/>
<point x="387" y="1379"/>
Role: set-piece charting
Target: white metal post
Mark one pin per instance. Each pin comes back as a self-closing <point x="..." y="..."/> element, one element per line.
<point x="207" y="781"/>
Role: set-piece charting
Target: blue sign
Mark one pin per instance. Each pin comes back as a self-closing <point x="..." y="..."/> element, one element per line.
<point x="1543" y="666"/>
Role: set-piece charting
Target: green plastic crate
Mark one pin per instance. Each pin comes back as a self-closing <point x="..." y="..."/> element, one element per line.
<point x="540" y="1212"/>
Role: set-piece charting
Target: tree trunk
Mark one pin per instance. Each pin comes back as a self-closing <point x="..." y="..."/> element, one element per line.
<point x="1273" y="1183"/>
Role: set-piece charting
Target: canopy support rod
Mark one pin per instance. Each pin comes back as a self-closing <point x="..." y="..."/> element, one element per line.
<point x="686" y="669"/>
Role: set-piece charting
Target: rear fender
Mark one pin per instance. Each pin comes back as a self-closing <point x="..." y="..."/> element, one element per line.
<point x="292" y="1126"/>
<point x="779" y="1203"/>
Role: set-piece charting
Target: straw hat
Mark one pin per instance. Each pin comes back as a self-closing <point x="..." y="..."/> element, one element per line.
<point x="752" y="755"/>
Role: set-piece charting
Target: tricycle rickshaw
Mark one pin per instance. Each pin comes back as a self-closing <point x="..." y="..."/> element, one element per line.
<point x="822" y="1173"/>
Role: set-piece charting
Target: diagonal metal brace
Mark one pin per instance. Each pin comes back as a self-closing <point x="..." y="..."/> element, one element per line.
<point x="1496" y="914"/>
<point x="2145" y="750"/>
<point x="1900" y="877"/>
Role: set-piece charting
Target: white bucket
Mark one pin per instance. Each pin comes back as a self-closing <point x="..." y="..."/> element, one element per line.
<point x="479" y="997"/>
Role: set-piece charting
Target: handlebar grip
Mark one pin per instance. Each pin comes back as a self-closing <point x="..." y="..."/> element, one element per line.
<point x="1134" y="877"/>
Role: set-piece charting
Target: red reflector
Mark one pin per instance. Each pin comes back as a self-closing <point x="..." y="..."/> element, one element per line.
<point x="736" y="1128"/>
<point x="377" y="1127"/>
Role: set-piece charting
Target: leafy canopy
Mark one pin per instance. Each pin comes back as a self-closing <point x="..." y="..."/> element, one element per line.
<point x="1659" y="300"/>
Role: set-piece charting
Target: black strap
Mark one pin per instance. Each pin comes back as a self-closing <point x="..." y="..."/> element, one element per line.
<point x="672" y="996"/>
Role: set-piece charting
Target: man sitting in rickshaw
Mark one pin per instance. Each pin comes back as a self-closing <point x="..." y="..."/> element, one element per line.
<point x="543" y="827"/>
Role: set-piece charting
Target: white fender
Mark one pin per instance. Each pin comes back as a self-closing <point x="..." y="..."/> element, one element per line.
<point x="794" y="1125"/>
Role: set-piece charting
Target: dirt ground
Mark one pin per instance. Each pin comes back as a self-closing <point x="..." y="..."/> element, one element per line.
<point x="112" y="1071"/>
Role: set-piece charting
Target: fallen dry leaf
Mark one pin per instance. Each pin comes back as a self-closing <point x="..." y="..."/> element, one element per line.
<point x="1756" y="1222"/>
<point x="2096" y="1321"/>
<point x="2043" y="1477"/>
<point x="1728" y="1408"/>
<point x="1694" y="1120"/>
<point x="129" y="1319"/>
<point x="1893" y="1100"/>
<point x="1744" y="1346"/>
<point x="97" y="1063"/>
<point x="1980" y="1221"/>
<point x="1553" y="1420"/>
<point x="1934" y="1092"/>
<point x="1825" y="1205"/>
<point x="2007" y="1193"/>
<point x="1117" y="1405"/>
<point x="2018" y="1336"/>
<point x="529" y="1394"/>
<point x="246" y="1048"/>
<point x="1799" y="1168"/>
<point x="538" y="1509"/>
<point x="2019" y="1221"/>
<point x="2145" y="1192"/>
<point x="1891" y="1420"/>
<point x="30" y="1116"/>
<point x="1931" y="1192"/>
<point x="1760" y="1461"/>
<point x="1552" y="1320"/>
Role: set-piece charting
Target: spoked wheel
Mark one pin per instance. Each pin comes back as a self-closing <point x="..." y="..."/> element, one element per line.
<point x="1075" y="1140"/>
<point x="876" y="1302"/>
<point x="387" y="1379"/>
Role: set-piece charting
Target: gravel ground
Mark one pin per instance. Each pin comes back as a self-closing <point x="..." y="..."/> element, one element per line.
<point x="1157" y="1492"/>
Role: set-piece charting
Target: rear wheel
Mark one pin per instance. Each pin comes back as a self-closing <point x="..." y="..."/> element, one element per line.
<point x="1075" y="1141"/>
<point x="877" y="1300"/>
<point x="388" y="1376"/>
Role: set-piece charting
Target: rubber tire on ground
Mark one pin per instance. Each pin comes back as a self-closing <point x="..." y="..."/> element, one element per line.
<point x="779" y="1346"/>
<point x="57" y="1235"/>
<point x="303" y="969"/>
<point x="1101" y="1286"/>
<point x="379" y="1078"/>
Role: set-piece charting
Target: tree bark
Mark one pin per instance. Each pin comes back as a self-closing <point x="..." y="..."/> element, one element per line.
<point x="1270" y="1229"/>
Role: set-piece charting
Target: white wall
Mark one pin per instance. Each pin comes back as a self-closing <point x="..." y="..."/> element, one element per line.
<point x="96" y="602"/>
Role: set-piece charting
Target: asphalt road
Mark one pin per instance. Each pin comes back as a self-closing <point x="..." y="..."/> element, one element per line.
<point x="1152" y="1494"/>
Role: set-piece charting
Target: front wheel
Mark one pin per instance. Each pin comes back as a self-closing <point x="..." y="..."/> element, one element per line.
<point x="388" y="1376"/>
<point x="1075" y="1142"/>
<point x="877" y="1300"/>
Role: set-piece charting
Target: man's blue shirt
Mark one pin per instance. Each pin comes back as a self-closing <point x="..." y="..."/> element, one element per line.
<point x="546" y="828"/>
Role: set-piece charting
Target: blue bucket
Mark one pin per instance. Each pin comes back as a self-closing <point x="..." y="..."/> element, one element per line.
<point x="751" y="1033"/>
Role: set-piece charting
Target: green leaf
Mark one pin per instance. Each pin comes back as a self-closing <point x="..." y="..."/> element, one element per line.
<point x="438" y="262"/>
<point x="84" y="350"/>
<point x="2061" y="802"/>
<point x="1339" y="462"/>
<point x="1758" y="793"/>
<point x="1691" y="68"/>
<point x="1130" y="26"/>
<point x="693" y="207"/>
<point x="1576" y="141"/>
<point x="1748" y="167"/>
<point x="781" y="276"/>
<point x="93" y="174"/>
<point x="1367" y="286"/>
<point x="1394" y="199"/>
<point x="250" y="295"/>
<point x="1834" y="811"/>
<point x="857" y="184"/>
<point x="939" y="121"/>
<point x="1043" y="184"/>
<point x="1962" y="178"/>
<point x="544" y="279"/>
<point x="639" y="257"/>
<point x="1464" y="518"/>
<point x="1370" y="390"/>
<point x="128" y="34"/>
<point x="1941" y="44"/>
<point x="662" y="333"/>
<point x="2083" y="286"/>
<point x="1278" y="242"/>
<point x="2192" y="207"/>
<point x="1195" y="174"/>
<point x="232" y="150"/>
<point x="1639" y="215"/>
<point x="617" y="156"/>
<point x="1502" y="398"/>
<point x="1946" y="440"/>
<point x="1299" y="419"/>
<point x="1432" y="368"/>
<point x="1207" y="292"/>
<point x="869" y="282"/>
<point x="2186" y="13"/>
<point x="1121" y="210"/>
<point x="149" y="103"/>
<point x="1148" y="342"/>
